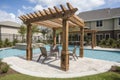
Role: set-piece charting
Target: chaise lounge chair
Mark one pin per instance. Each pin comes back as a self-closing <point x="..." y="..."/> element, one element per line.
<point x="73" y="53"/>
<point x="54" y="50"/>
<point x="45" y="54"/>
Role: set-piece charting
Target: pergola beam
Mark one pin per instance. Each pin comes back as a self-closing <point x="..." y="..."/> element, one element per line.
<point x="48" y="24"/>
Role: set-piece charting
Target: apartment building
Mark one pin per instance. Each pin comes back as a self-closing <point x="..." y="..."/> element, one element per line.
<point x="105" y="21"/>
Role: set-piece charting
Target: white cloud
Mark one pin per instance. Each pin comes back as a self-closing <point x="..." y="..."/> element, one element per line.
<point x="38" y="7"/>
<point x="82" y="5"/>
<point x="27" y="7"/>
<point x="20" y="12"/>
<point x="4" y="16"/>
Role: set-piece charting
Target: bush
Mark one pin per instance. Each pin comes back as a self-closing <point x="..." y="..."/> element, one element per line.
<point x="102" y="43"/>
<point x="1" y="44"/>
<point x="15" y="41"/>
<point x="118" y="43"/>
<point x="4" y="68"/>
<point x="110" y="43"/>
<point x="7" y="43"/>
<point x="1" y="62"/>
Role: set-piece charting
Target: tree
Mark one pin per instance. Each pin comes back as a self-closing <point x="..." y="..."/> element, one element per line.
<point x="22" y="31"/>
<point x="44" y="31"/>
<point x="35" y="29"/>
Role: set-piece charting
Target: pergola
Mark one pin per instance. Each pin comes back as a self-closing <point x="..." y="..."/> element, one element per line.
<point x="55" y="18"/>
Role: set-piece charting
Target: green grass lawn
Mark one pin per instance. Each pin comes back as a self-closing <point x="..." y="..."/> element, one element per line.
<point x="103" y="76"/>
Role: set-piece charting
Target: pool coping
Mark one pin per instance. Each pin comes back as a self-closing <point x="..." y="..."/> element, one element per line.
<point x="100" y="48"/>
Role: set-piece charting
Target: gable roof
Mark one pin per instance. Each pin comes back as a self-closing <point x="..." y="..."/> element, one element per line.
<point x="100" y="14"/>
<point x="10" y="23"/>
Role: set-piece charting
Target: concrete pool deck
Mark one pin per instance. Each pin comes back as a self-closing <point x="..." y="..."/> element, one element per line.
<point x="51" y="68"/>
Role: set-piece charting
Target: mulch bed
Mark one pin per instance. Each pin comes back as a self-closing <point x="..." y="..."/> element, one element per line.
<point x="10" y="71"/>
<point x="115" y="69"/>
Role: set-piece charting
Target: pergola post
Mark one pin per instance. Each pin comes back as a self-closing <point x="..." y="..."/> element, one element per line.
<point x="61" y="38"/>
<point x="64" y="53"/>
<point x="29" y="42"/>
<point x="93" y="41"/>
<point x="81" y="42"/>
<point x="54" y="36"/>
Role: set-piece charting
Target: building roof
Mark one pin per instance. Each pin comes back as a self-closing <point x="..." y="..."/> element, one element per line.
<point x="115" y="12"/>
<point x="10" y="23"/>
<point x="100" y="14"/>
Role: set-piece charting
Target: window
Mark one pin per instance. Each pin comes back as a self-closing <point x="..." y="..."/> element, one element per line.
<point x="107" y="36"/>
<point x="99" y="23"/>
<point x="99" y="37"/>
<point x="118" y="36"/>
<point x="119" y="21"/>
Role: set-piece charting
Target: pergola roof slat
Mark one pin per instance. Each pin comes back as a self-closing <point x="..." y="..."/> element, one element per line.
<point x="63" y="8"/>
<point x="57" y="9"/>
<point x="37" y="14"/>
<point x="46" y="11"/>
<point x="51" y="10"/>
<point x="69" y="6"/>
<point x="54" y="15"/>
<point x="42" y="13"/>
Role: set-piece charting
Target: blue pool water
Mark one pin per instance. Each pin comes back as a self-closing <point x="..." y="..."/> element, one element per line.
<point x="96" y="54"/>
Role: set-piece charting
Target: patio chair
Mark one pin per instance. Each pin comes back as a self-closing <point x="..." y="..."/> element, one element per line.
<point x="44" y="53"/>
<point x="54" y="50"/>
<point x="73" y="53"/>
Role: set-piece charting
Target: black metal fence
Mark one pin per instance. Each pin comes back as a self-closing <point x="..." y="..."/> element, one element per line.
<point x="11" y="37"/>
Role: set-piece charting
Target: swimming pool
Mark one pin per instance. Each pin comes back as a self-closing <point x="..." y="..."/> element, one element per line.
<point x="96" y="54"/>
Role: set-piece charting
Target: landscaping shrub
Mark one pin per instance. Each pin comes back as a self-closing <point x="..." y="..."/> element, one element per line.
<point x="115" y="69"/>
<point x="118" y="43"/>
<point x="110" y="43"/>
<point x="4" y="68"/>
<point x="15" y="41"/>
<point x="7" y="43"/>
<point x="1" y="62"/>
<point x="102" y="43"/>
<point x="1" y="44"/>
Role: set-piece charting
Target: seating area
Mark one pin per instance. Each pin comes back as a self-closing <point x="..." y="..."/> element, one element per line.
<point x="54" y="51"/>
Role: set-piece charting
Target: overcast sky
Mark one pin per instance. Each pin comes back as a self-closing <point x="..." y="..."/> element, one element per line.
<point x="11" y="9"/>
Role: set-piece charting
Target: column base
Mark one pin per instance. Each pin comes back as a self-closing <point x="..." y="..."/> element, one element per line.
<point x="65" y="60"/>
<point x="81" y="52"/>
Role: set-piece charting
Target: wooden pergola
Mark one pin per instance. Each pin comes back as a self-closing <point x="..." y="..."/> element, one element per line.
<point x="55" y="18"/>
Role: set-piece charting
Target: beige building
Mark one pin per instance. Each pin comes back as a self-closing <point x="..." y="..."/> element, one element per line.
<point x="10" y="29"/>
<point x="105" y="21"/>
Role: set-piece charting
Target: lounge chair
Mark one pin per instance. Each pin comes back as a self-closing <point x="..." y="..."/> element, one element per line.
<point x="54" y="50"/>
<point x="73" y="53"/>
<point x="44" y="53"/>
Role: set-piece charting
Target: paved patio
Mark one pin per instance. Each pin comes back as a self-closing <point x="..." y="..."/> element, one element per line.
<point x="51" y="68"/>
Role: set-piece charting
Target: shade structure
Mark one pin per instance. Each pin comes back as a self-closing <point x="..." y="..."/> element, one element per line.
<point x="55" y="18"/>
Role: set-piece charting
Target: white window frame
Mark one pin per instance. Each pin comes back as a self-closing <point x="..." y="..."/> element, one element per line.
<point x="118" y="34"/>
<point x="107" y="34"/>
<point x="99" y="36"/>
<point x="99" y="23"/>
<point x="119" y="21"/>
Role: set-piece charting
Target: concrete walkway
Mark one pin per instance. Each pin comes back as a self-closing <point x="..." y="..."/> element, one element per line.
<point x="51" y="68"/>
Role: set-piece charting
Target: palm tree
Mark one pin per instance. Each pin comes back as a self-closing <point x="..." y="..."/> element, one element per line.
<point x="22" y="32"/>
